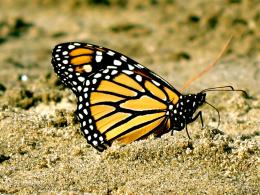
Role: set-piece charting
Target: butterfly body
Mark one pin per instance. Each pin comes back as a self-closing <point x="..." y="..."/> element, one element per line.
<point x="185" y="109"/>
<point x="119" y="99"/>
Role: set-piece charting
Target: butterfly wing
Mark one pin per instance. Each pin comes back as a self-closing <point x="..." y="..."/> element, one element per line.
<point x="118" y="99"/>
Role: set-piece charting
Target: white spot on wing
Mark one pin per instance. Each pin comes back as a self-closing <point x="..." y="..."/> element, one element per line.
<point x="80" y="98"/>
<point x="71" y="46"/>
<point x="87" y="68"/>
<point x="65" y="61"/>
<point x="123" y="58"/>
<point x="111" y="53"/>
<point x="81" y="79"/>
<point x="114" y="72"/>
<point x="105" y="71"/>
<point x="79" y="88"/>
<point x="98" y="75"/>
<point x="98" y="58"/>
<point x="112" y="67"/>
<point x="85" y="111"/>
<point x="94" y="81"/>
<point x="156" y="83"/>
<point x="80" y="116"/>
<point x="80" y="106"/>
<point x="87" y="83"/>
<point x="99" y="53"/>
<point x="128" y="72"/>
<point x="138" y="78"/>
<point x="131" y="67"/>
<point x="139" y="66"/>
<point x="117" y="62"/>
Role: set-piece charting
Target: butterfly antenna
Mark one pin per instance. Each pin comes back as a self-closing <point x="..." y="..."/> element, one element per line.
<point x="229" y="87"/>
<point x="217" y="112"/>
<point x="210" y="66"/>
<point x="225" y="88"/>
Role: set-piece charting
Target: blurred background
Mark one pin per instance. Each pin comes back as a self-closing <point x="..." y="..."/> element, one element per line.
<point x="176" y="39"/>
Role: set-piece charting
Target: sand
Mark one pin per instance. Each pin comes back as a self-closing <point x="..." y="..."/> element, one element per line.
<point x="41" y="147"/>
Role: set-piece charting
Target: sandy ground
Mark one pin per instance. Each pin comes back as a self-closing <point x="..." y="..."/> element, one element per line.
<point x="41" y="147"/>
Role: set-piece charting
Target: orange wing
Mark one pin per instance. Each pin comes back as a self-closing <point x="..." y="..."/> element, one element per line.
<point x="118" y="99"/>
<point x="129" y="107"/>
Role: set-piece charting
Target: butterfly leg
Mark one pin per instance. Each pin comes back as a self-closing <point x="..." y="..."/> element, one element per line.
<point x="172" y="132"/>
<point x="186" y="129"/>
<point x="177" y="129"/>
<point x="201" y="119"/>
<point x="189" y="144"/>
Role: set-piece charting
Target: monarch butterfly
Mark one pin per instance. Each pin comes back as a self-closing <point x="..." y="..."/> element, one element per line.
<point x="118" y="98"/>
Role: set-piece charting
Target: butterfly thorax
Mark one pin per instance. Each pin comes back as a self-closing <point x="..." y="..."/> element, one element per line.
<point x="182" y="113"/>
